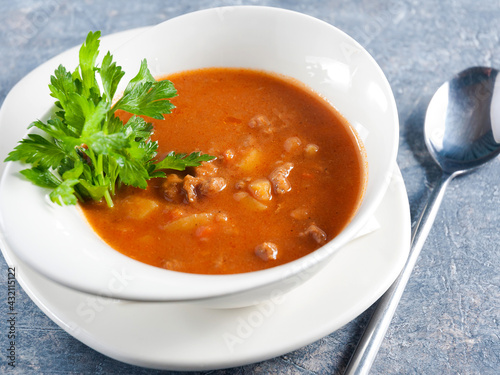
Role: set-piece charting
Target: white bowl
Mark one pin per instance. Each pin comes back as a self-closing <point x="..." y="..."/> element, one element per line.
<point x="58" y="243"/>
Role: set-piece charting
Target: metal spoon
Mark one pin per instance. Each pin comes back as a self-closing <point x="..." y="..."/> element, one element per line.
<point x="462" y="132"/>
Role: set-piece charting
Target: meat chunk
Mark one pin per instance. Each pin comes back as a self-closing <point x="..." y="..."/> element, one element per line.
<point x="172" y="264"/>
<point x="241" y="184"/>
<point x="228" y="155"/>
<point x="211" y="185"/>
<point x="171" y="187"/>
<point x="300" y="213"/>
<point x="262" y="123"/>
<point x="311" y="149"/>
<point x="189" y="187"/>
<point x="316" y="233"/>
<point x="205" y="186"/>
<point x="278" y="178"/>
<point x="292" y="144"/>
<point x="267" y="251"/>
<point x="206" y="169"/>
<point x="202" y="181"/>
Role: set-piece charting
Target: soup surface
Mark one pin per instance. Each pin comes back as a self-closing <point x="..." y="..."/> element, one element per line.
<point x="288" y="176"/>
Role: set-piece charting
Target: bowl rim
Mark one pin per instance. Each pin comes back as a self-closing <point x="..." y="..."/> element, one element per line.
<point x="226" y="285"/>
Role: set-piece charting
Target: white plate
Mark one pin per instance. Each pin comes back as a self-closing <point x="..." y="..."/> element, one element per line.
<point x="189" y="337"/>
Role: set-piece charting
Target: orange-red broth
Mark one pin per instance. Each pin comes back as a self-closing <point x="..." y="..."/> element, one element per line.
<point x="254" y="122"/>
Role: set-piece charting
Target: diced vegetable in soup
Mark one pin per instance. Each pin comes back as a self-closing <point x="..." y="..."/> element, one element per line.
<point x="288" y="176"/>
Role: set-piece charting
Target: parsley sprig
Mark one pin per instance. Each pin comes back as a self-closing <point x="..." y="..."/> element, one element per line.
<point x="84" y="151"/>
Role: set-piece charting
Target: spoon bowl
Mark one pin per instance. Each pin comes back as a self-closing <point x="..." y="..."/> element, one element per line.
<point x="461" y="126"/>
<point x="462" y="132"/>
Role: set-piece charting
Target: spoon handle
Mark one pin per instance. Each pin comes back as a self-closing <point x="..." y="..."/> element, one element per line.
<point x="366" y="351"/>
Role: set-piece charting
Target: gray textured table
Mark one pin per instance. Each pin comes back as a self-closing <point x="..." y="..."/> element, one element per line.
<point x="448" y="321"/>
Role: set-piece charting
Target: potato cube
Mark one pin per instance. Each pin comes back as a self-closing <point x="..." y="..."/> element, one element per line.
<point x="250" y="160"/>
<point x="139" y="207"/>
<point x="249" y="202"/>
<point x="189" y="222"/>
<point x="261" y="189"/>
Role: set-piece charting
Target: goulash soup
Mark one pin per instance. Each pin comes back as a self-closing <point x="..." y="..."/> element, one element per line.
<point x="288" y="176"/>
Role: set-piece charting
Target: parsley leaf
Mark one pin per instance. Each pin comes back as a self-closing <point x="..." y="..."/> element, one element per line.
<point x="182" y="161"/>
<point x="145" y="97"/>
<point x="38" y="151"/>
<point x="84" y="151"/>
<point x="41" y="177"/>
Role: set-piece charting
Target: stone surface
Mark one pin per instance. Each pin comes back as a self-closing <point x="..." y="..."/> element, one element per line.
<point x="448" y="319"/>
